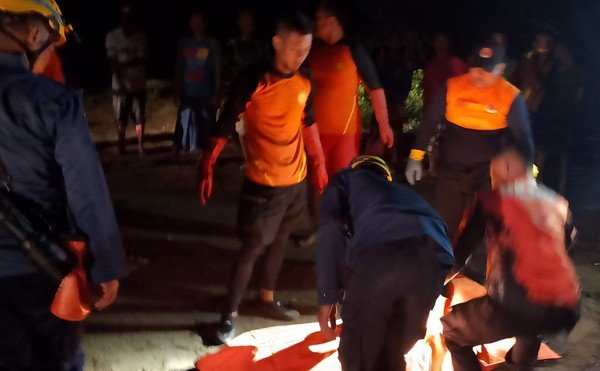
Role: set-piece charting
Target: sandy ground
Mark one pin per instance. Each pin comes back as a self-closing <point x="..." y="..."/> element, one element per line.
<point x="181" y="254"/>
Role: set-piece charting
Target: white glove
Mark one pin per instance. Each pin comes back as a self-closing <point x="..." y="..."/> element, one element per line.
<point x="414" y="171"/>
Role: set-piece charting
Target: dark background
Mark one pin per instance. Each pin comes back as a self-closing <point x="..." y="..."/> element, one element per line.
<point x="466" y="21"/>
<point x="577" y="22"/>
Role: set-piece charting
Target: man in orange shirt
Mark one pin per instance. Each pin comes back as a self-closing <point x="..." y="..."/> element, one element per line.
<point x="280" y="137"/>
<point x="338" y="66"/>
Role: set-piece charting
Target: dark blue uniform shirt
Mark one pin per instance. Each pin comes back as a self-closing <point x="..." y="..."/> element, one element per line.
<point x="361" y="209"/>
<point x="46" y="147"/>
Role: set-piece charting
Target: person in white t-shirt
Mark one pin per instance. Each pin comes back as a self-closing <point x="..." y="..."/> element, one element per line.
<point x="127" y="51"/>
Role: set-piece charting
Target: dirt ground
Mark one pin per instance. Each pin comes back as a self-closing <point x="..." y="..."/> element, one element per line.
<point x="181" y="253"/>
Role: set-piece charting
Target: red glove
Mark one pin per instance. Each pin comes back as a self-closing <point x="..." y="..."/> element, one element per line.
<point x="312" y="145"/>
<point x="207" y="163"/>
<point x="381" y="114"/>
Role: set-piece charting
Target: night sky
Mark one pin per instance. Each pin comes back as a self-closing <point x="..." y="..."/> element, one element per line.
<point x="576" y="22"/>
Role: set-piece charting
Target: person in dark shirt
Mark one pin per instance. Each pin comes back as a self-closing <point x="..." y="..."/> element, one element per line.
<point x="511" y="64"/>
<point x="47" y="151"/>
<point x="532" y="286"/>
<point x="383" y="253"/>
<point x="531" y="73"/>
<point x="244" y="50"/>
<point x="198" y="84"/>
<point x="396" y="70"/>
<point x="440" y="68"/>
<point x="558" y="116"/>
<point x="280" y="136"/>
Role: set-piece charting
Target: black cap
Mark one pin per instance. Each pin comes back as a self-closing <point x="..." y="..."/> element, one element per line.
<point x="488" y="55"/>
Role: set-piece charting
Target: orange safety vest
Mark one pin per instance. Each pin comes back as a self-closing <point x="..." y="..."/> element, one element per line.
<point x="476" y="108"/>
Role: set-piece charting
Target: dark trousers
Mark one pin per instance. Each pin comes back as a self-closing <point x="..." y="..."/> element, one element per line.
<point x="455" y="191"/>
<point x="482" y="321"/>
<point x="388" y="295"/>
<point x="266" y="217"/>
<point x="31" y="338"/>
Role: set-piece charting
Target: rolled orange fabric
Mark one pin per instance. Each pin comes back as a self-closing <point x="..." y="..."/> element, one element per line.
<point x="72" y="301"/>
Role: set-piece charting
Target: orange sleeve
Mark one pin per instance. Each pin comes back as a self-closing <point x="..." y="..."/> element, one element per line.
<point x="379" y="106"/>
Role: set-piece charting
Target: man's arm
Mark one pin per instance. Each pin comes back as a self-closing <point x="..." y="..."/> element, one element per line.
<point x="331" y="251"/>
<point x="87" y="194"/>
<point x="433" y="115"/>
<point x="242" y="88"/>
<point x="368" y="74"/>
<point x="520" y="127"/>
<point x="234" y="106"/>
<point x="312" y="142"/>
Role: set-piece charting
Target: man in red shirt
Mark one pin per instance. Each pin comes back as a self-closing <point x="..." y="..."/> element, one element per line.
<point x="440" y="68"/>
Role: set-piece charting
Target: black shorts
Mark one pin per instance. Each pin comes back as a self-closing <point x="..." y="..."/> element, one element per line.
<point x="264" y="211"/>
<point x="130" y="106"/>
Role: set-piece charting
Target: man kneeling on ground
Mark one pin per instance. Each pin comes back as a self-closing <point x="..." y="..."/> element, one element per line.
<point x="392" y="249"/>
<point x="531" y="282"/>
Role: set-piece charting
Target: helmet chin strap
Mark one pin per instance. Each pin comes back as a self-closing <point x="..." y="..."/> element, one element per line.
<point x="32" y="55"/>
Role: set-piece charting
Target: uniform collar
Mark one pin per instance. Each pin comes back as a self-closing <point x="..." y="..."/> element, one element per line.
<point x="520" y="186"/>
<point x="16" y="61"/>
<point x="278" y="73"/>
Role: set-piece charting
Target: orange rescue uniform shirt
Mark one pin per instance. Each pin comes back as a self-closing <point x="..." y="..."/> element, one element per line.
<point x="337" y="70"/>
<point x="273" y="112"/>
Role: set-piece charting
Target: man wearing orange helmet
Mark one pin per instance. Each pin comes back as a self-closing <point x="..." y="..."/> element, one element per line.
<point x="50" y="164"/>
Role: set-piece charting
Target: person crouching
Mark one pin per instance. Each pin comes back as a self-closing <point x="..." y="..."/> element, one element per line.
<point x="531" y="281"/>
<point x="387" y="251"/>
